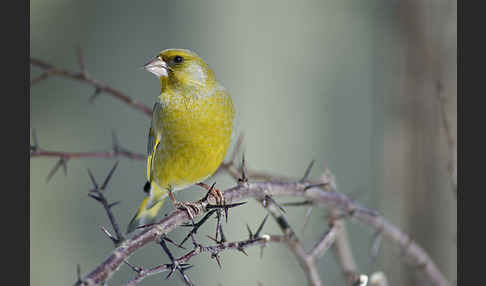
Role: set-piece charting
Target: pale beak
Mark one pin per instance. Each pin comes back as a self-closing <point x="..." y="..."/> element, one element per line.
<point x="157" y="66"/>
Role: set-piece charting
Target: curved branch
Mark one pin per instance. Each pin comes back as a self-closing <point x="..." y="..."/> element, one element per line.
<point x="259" y="190"/>
<point x="83" y="76"/>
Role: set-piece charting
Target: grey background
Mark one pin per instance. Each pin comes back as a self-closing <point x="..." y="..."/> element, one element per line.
<point x="351" y="84"/>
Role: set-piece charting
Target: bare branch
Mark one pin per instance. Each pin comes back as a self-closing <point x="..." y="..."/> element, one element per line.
<point x="342" y="250"/>
<point x="64" y="157"/>
<point x="97" y="194"/>
<point x="307" y="263"/>
<point x="325" y="242"/>
<point x="214" y="251"/>
<point x="258" y="190"/>
<point x="83" y="76"/>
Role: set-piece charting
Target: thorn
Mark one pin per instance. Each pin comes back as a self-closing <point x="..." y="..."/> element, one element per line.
<point x="238" y="144"/>
<point x="78" y="272"/>
<point x="166" y="250"/>
<point x="250" y="234"/>
<point x="145" y="225"/>
<point x="375" y="247"/>
<point x="216" y="256"/>
<point x="243" y="178"/>
<point x="93" y="180"/>
<point x="306" y="219"/>
<point x="218" y="224"/>
<point x="196" y="226"/>
<point x="209" y="190"/>
<point x="114" y="140"/>
<point x="297" y="204"/>
<point x="257" y="234"/>
<point x="96" y="197"/>
<point x="225" y="208"/>
<point x="194" y="242"/>
<point x="59" y="163"/>
<point x="64" y="165"/>
<point x="226" y="214"/>
<point x="240" y="249"/>
<point x="36" y="142"/>
<point x="95" y="95"/>
<point x="320" y="185"/>
<point x="223" y="238"/>
<point x="109" y="234"/>
<point x="307" y="172"/>
<point x="105" y="183"/>
<point x="113" y="204"/>
<point x="166" y="238"/>
<point x="269" y="198"/>
<point x="137" y="269"/>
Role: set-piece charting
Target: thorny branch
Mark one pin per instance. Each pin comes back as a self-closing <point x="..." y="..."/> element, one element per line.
<point x="97" y="194"/>
<point x="314" y="193"/>
<point x="214" y="251"/>
<point x="307" y="260"/>
<point x="83" y="76"/>
<point x="64" y="157"/>
<point x="338" y="200"/>
<point x="259" y="190"/>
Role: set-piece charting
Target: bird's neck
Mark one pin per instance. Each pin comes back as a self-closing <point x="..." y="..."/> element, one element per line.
<point x="187" y="89"/>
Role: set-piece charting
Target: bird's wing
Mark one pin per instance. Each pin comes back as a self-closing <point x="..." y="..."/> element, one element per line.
<point x="153" y="139"/>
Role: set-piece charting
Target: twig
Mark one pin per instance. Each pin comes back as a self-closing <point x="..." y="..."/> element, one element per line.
<point x="85" y="77"/>
<point x="259" y="190"/>
<point x="215" y="250"/>
<point x="97" y="194"/>
<point x="342" y="250"/>
<point x="64" y="157"/>
<point x="307" y="260"/>
<point x="99" y="154"/>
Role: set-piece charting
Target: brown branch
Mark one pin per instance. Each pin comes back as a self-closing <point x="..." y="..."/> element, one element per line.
<point x="342" y="246"/>
<point x="97" y="194"/>
<point x="99" y="154"/>
<point x="259" y="190"/>
<point x="307" y="260"/>
<point x="213" y="250"/>
<point x="64" y="157"/>
<point x="342" y="250"/>
<point x="85" y="77"/>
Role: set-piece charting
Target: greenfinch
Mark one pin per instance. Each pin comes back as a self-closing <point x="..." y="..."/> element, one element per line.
<point x="190" y="132"/>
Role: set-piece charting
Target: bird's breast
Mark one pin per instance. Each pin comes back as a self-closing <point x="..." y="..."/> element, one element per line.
<point x="195" y="134"/>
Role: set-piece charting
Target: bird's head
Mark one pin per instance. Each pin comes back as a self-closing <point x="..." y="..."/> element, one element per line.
<point x="181" y="69"/>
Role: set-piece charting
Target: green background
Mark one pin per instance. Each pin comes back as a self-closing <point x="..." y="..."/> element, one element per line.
<point x="350" y="84"/>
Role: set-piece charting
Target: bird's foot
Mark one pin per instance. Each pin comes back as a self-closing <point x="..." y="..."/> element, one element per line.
<point x="192" y="209"/>
<point x="216" y="193"/>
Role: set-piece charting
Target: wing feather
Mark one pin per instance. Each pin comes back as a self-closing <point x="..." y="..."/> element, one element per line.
<point x="153" y="139"/>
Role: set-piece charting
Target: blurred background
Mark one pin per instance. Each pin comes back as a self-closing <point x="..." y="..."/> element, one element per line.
<point x="354" y="85"/>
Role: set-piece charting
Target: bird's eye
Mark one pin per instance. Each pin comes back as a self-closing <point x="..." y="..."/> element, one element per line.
<point x="178" y="59"/>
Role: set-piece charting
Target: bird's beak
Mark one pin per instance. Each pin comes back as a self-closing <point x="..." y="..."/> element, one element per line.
<point x="157" y="66"/>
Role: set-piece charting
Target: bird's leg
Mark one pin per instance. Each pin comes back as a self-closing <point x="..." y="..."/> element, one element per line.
<point x="190" y="208"/>
<point x="216" y="193"/>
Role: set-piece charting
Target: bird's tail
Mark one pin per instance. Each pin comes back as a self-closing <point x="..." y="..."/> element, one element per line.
<point x="149" y="208"/>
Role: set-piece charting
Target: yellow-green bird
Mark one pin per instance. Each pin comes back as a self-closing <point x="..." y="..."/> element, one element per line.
<point x="190" y="132"/>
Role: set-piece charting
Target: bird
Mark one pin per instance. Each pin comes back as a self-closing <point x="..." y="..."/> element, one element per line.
<point x="190" y="130"/>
